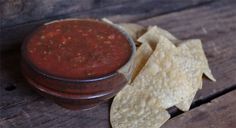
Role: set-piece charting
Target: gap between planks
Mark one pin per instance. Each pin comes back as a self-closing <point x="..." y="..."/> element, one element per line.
<point x="175" y="112"/>
<point x="219" y="113"/>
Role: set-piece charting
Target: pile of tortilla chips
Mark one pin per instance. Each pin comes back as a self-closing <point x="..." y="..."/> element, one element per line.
<point x="167" y="72"/>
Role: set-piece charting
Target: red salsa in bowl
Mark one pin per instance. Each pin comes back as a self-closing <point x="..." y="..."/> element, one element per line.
<point x="78" y="49"/>
<point x="78" y="62"/>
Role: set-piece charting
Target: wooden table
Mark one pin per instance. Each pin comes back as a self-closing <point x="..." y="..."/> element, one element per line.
<point x="213" y="21"/>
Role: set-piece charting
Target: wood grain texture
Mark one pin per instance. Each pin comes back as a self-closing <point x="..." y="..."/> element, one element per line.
<point x="213" y="23"/>
<point x="219" y="113"/>
<point x="13" y="12"/>
<point x="11" y="37"/>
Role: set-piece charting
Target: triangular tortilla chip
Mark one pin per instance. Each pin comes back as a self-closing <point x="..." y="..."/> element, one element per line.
<point x="161" y="77"/>
<point x="141" y="57"/>
<point x="153" y="34"/>
<point x="134" y="30"/>
<point x="133" y="108"/>
<point x="186" y="103"/>
<point x="195" y="49"/>
<point x="192" y="61"/>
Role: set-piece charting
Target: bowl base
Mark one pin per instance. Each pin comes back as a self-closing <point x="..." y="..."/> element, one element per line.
<point x="77" y="107"/>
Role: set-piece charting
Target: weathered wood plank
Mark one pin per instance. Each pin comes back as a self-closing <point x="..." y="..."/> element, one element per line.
<point x="14" y="12"/>
<point x="21" y="11"/>
<point x="24" y="108"/>
<point x="219" y="113"/>
<point x="11" y="36"/>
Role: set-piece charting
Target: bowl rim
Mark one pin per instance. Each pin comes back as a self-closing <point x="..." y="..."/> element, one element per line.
<point x="74" y="80"/>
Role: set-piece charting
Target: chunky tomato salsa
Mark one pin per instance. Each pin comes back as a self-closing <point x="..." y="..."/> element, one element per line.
<point x="78" y="49"/>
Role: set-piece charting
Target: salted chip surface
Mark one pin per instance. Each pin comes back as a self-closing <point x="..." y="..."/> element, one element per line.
<point x="153" y="34"/>
<point x="161" y="76"/>
<point x="194" y="76"/>
<point x="192" y="61"/>
<point x="186" y="103"/>
<point x="134" y="30"/>
<point x="133" y="108"/>
<point x="141" y="57"/>
<point x="193" y="48"/>
<point x="165" y="33"/>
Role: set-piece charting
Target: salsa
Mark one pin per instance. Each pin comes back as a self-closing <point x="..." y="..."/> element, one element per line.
<point x="78" y="49"/>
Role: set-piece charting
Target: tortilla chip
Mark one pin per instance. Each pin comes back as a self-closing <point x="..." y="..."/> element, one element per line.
<point x="187" y="62"/>
<point x="195" y="49"/>
<point x="153" y="34"/>
<point x="134" y="30"/>
<point x="141" y="57"/>
<point x="164" y="75"/>
<point x="161" y="76"/>
<point x="192" y="61"/>
<point x="186" y="103"/>
<point x="133" y="108"/>
<point x="166" y="34"/>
